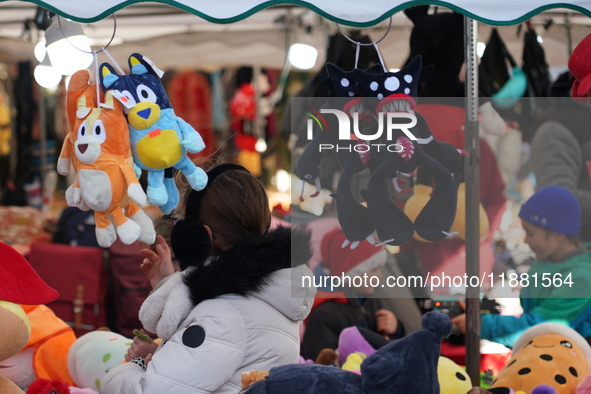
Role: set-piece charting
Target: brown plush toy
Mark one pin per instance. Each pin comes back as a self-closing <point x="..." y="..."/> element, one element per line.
<point x="550" y="354"/>
<point x="250" y="377"/>
<point x="20" y="285"/>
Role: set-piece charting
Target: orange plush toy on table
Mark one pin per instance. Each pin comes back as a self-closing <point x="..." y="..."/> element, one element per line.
<point x="546" y="354"/>
<point x="105" y="178"/>
<point x="20" y="285"/>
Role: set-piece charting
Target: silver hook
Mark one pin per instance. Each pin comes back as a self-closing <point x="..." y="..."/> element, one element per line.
<point x="94" y="53"/>
<point x="364" y="44"/>
<point x="374" y="44"/>
<point x="91" y="52"/>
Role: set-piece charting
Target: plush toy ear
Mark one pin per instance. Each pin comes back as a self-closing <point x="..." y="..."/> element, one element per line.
<point x="79" y="80"/>
<point x="139" y="66"/>
<point x="416" y="13"/>
<point x="112" y="102"/>
<point x="108" y="76"/>
<point x="84" y="106"/>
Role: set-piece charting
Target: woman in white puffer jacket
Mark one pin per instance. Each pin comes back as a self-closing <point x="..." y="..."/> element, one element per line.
<point x="236" y="306"/>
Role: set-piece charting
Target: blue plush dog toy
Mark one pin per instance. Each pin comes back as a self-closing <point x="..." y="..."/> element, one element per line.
<point x="159" y="139"/>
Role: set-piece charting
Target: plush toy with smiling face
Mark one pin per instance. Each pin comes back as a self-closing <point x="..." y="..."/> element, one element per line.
<point x="105" y="179"/>
<point x="550" y="354"/>
<point x="160" y="140"/>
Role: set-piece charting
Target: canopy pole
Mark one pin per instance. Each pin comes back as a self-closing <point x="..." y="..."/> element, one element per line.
<point x="472" y="176"/>
<point x="42" y="135"/>
<point x="569" y="39"/>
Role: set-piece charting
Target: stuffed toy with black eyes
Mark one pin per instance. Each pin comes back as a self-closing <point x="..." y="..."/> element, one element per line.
<point x="546" y="354"/>
<point x="159" y="139"/>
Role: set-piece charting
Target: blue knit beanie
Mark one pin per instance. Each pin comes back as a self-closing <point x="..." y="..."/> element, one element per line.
<point x="554" y="208"/>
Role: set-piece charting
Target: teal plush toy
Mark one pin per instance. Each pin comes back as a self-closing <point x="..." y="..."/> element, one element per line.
<point x="159" y="139"/>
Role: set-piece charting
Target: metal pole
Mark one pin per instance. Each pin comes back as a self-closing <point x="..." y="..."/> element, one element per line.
<point x="472" y="171"/>
<point x="42" y="135"/>
<point x="569" y="38"/>
<point x="256" y="74"/>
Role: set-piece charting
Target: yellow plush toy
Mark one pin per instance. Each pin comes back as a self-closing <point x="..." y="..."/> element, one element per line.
<point x="422" y="195"/>
<point x="550" y="354"/>
<point x="460" y="220"/>
<point x="452" y="378"/>
<point x="415" y="204"/>
<point x="353" y="362"/>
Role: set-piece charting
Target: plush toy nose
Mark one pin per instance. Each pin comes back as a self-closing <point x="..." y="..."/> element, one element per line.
<point x="82" y="148"/>
<point x="145" y="113"/>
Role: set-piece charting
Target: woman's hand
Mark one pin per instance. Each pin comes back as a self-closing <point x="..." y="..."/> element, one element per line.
<point x="140" y="348"/>
<point x="157" y="266"/>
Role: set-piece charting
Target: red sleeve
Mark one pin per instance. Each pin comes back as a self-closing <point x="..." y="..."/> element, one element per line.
<point x="492" y="187"/>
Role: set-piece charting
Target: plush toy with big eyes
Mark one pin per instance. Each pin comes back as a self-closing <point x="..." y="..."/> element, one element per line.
<point x="105" y="179"/>
<point x="546" y="354"/>
<point x="452" y="378"/>
<point x="160" y="140"/>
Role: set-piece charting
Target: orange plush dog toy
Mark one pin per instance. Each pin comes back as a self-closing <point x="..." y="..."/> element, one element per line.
<point x="105" y="179"/>
<point x="77" y="87"/>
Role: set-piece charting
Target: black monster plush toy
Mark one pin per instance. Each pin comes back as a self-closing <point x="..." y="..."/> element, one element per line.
<point x="360" y="94"/>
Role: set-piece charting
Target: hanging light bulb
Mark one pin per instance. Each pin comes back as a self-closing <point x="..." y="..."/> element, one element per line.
<point x="67" y="56"/>
<point x="260" y="145"/>
<point x="283" y="181"/>
<point x="40" y="50"/>
<point x="46" y="75"/>
<point x="303" y="54"/>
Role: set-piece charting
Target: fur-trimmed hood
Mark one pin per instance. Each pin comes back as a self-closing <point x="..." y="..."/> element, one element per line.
<point x="249" y="265"/>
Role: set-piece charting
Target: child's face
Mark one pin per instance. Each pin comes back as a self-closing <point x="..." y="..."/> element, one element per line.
<point x="542" y="242"/>
<point x="369" y="290"/>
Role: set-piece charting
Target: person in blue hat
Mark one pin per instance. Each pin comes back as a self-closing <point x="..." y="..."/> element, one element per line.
<point x="559" y="281"/>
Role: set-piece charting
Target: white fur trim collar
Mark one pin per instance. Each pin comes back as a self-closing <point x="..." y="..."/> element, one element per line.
<point x="167" y="307"/>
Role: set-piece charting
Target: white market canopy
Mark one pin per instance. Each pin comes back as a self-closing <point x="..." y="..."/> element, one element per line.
<point x="349" y="12"/>
<point x="176" y="38"/>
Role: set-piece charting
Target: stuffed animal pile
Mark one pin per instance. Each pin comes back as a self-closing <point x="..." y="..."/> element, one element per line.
<point x="20" y="285"/>
<point x="369" y="97"/>
<point x="408" y="365"/>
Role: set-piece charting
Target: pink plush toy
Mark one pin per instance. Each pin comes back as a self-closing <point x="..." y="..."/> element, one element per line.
<point x="585" y="386"/>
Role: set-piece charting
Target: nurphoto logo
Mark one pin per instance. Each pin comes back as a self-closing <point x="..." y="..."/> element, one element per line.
<point x="385" y="121"/>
